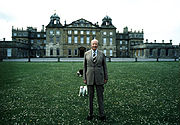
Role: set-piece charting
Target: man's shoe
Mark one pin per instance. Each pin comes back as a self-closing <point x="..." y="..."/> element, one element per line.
<point x="90" y="117"/>
<point x="102" y="118"/>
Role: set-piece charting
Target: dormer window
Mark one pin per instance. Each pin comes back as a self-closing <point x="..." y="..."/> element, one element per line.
<point x="107" y="21"/>
<point x="54" y="21"/>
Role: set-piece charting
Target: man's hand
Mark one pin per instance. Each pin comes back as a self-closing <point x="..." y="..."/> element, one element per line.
<point x="105" y="81"/>
<point x="85" y="81"/>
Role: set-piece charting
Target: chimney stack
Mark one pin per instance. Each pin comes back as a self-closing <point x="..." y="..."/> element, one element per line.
<point x="4" y="39"/>
<point x="170" y="41"/>
<point x="146" y="40"/>
<point x="65" y="23"/>
<point x="42" y="28"/>
<point x="162" y="41"/>
<point x="154" y="41"/>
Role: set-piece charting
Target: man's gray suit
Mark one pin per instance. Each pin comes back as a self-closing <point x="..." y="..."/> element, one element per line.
<point x="95" y="73"/>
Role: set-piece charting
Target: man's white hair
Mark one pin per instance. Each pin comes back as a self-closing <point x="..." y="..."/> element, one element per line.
<point x="94" y="40"/>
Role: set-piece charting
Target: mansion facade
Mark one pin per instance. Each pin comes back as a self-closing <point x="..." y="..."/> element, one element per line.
<point x="73" y="40"/>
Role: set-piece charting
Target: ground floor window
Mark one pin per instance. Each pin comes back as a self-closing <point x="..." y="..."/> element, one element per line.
<point x="57" y="51"/>
<point x="175" y="54"/>
<point x="142" y="52"/>
<point x="76" y="52"/>
<point x="69" y="52"/>
<point x="159" y="52"/>
<point x="51" y="51"/>
<point x="110" y="52"/>
<point x="138" y="52"/>
<point x="9" y="52"/>
<point x="167" y="53"/>
<point x="151" y="52"/>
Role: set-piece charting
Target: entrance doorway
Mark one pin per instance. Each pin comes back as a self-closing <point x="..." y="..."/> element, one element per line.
<point x="82" y="50"/>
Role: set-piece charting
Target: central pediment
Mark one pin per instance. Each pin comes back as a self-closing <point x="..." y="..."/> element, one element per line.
<point x="82" y="23"/>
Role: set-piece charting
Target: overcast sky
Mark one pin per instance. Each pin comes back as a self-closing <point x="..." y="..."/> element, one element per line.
<point x="159" y="19"/>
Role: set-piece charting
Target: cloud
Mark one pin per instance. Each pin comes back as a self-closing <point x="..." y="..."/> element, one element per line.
<point x="5" y="16"/>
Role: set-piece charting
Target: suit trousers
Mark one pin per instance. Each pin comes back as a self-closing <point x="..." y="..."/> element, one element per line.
<point x="100" y="98"/>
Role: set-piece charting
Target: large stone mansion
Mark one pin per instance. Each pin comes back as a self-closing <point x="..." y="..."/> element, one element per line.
<point x="72" y="40"/>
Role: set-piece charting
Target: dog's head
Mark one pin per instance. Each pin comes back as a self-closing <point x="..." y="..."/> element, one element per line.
<point x="81" y="87"/>
<point x="80" y="72"/>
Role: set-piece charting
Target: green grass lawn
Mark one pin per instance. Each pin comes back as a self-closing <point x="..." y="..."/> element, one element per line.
<point x="144" y="93"/>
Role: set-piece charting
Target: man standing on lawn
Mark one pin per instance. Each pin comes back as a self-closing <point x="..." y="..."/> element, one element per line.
<point x="95" y="75"/>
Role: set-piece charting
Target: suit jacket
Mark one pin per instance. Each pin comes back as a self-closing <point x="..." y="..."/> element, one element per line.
<point x="95" y="72"/>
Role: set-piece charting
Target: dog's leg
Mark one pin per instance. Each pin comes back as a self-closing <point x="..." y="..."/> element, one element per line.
<point x="83" y="92"/>
<point x="86" y="91"/>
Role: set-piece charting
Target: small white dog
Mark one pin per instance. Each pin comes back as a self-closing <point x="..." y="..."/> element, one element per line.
<point x="83" y="91"/>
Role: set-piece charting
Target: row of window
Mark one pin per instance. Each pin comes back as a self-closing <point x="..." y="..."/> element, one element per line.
<point x="38" y="35"/>
<point x="81" y="32"/>
<point x="82" y="25"/>
<point x="57" y="51"/>
<point x="105" y="41"/>
<point x="76" y="40"/>
<point x="51" y="32"/>
<point x="141" y="52"/>
<point x="21" y="40"/>
<point x="110" y="52"/>
<point x="88" y="40"/>
<point x="69" y="52"/>
<point x="123" y="48"/>
<point x="158" y="52"/>
<point x="38" y="47"/>
<point x="26" y="34"/>
<point x="136" y="42"/>
<point x="123" y="53"/>
<point x="135" y="35"/>
<point x="110" y="33"/>
<point x="57" y="39"/>
<point x="57" y="32"/>
<point x="76" y="52"/>
<point x="121" y="42"/>
<point x="20" y="34"/>
<point x="38" y="41"/>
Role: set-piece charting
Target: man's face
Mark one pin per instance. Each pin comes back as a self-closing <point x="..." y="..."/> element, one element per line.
<point x="94" y="45"/>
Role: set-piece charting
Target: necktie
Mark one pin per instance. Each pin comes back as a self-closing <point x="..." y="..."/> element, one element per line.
<point x="94" y="56"/>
